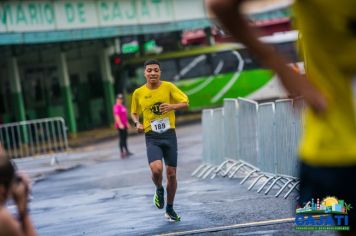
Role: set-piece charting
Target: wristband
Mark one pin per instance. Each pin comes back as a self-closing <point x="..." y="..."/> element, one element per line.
<point x="136" y="122"/>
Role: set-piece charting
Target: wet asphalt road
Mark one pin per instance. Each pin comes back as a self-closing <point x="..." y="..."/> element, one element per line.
<point x="109" y="196"/>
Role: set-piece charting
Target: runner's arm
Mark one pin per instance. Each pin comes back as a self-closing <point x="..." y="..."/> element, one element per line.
<point x="229" y="14"/>
<point x="136" y="119"/>
<point x="165" y="107"/>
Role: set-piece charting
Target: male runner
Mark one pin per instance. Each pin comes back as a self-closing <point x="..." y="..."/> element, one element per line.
<point x="157" y="100"/>
<point x="328" y="40"/>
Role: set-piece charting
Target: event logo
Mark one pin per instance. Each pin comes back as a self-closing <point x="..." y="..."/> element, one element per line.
<point x="155" y="108"/>
<point x="329" y="214"/>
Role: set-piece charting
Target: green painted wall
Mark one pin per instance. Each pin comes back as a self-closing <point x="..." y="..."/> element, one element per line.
<point x="109" y="100"/>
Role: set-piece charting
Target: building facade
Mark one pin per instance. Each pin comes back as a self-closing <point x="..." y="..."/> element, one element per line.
<point x="55" y="56"/>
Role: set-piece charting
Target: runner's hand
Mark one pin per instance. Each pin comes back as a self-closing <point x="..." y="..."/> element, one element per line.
<point x="121" y="126"/>
<point x="299" y="85"/>
<point x="20" y="191"/>
<point x="165" y="107"/>
<point x="140" y="128"/>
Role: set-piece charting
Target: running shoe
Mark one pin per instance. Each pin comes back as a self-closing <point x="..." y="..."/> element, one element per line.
<point x="158" y="198"/>
<point x="172" y="216"/>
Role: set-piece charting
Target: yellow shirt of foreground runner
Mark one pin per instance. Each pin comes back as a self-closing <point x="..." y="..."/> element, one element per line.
<point x="147" y="101"/>
<point x="328" y="37"/>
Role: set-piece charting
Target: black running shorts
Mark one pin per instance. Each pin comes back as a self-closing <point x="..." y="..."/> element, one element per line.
<point x="321" y="182"/>
<point x="162" y="145"/>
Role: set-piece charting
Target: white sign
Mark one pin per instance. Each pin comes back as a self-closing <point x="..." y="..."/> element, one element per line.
<point x="161" y="125"/>
<point x="27" y="16"/>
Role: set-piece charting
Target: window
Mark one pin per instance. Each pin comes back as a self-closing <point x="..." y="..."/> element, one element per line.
<point x="134" y="77"/>
<point x="55" y="90"/>
<point x="95" y="85"/>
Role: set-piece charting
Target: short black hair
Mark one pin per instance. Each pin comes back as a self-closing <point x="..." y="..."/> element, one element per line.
<point x="151" y="62"/>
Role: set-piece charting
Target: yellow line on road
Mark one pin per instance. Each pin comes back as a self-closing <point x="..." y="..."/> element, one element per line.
<point x="229" y="227"/>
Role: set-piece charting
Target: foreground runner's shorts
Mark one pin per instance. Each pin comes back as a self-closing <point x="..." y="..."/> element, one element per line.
<point x="321" y="182"/>
<point x="162" y="145"/>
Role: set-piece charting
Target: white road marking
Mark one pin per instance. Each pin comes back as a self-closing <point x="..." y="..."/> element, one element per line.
<point x="229" y="227"/>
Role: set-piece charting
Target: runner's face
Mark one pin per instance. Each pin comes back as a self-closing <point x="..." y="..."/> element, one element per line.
<point x="152" y="74"/>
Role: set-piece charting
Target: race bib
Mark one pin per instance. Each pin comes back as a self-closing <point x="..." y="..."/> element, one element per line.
<point x="160" y="125"/>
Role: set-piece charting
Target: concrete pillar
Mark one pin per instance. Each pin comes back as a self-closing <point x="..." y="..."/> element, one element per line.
<point x="108" y="84"/>
<point x="66" y="93"/>
<point x="16" y="91"/>
<point x="17" y="97"/>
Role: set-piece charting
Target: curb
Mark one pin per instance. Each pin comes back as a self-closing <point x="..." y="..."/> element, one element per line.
<point x="43" y="176"/>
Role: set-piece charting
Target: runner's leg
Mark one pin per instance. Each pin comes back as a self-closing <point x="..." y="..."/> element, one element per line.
<point x="171" y="183"/>
<point x="157" y="170"/>
<point x="170" y="158"/>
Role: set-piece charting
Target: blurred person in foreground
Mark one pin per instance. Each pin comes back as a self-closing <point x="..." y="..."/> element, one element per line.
<point x="15" y="186"/>
<point x="157" y="101"/>
<point x="122" y="125"/>
<point x="328" y="41"/>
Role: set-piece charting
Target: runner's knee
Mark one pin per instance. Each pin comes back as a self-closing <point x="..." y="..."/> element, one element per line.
<point x="156" y="171"/>
<point x="171" y="174"/>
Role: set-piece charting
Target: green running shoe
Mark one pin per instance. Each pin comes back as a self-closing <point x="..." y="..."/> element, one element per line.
<point x="158" y="198"/>
<point x="172" y="216"/>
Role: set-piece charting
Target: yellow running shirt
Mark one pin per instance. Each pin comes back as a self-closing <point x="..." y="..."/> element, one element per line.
<point x="328" y="30"/>
<point x="147" y="101"/>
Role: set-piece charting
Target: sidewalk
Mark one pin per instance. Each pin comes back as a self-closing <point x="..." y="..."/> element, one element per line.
<point x="108" y="133"/>
<point x="80" y="153"/>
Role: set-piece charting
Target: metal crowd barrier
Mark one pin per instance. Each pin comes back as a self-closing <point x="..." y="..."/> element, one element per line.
<point x="256" y="140"/>
<point x="34" y="137"/>
<point x="246" y="129"/>
<point x="207" y="122"/>
<point x="230" y="138"/>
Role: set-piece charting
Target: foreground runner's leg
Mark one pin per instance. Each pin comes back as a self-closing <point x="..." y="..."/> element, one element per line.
<point x="157" y="169"/>
<point x="171" y="191"/>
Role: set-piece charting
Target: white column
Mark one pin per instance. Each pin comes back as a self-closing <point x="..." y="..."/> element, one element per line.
<point x="105" y="66"/>
<point x="63" y="70"/>
<point x="66" y="92"/>
<point x="108" y="83"/>
<point x="14" y="75"/>
<point x="15" y="87"/>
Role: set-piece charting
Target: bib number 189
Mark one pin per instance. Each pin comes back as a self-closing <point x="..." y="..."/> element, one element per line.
<point x="160" y="125"/>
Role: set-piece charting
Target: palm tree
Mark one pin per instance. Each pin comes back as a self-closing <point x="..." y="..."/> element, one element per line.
<point x="347" y="207"/>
